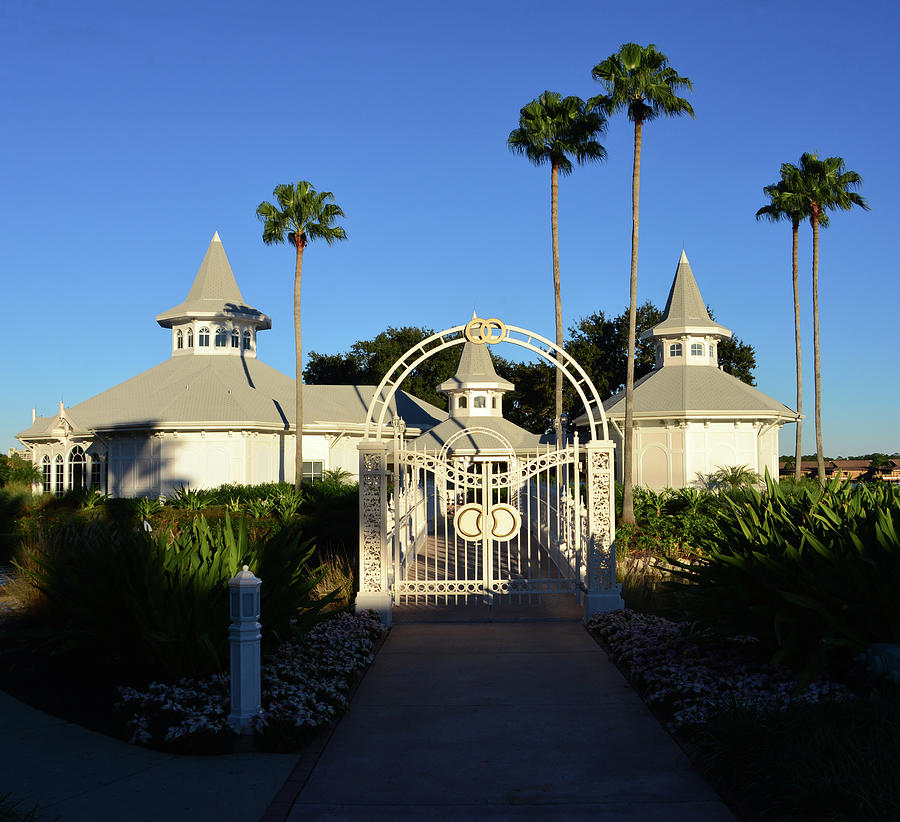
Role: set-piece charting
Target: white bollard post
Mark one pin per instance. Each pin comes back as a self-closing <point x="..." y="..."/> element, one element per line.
<point x="244" y="638"/>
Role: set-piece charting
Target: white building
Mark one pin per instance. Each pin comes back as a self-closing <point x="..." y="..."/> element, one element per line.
<point x="690" y="417"/>
<point x="212" y="413"/>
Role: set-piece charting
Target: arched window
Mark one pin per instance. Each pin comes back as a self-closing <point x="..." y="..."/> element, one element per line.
<point x="462" y="402"/>
<point x="480" y="402"/>
<point x="696" y="349"/>
<point x="179" y="339"/>
<point x="46" y="474"/>
<point x="203" y="338"/>
<point x="77" y="466"/>
<point x="235" y="338"/>
<point x="190" y="338"/>
<point x="221" y="338"/>
<point x="58" y="479"/>
<point x="246" y="341"/>
<point x="675" y="350"/>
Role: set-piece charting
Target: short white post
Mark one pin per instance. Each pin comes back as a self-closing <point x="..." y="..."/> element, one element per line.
<point x="244" y="638"/>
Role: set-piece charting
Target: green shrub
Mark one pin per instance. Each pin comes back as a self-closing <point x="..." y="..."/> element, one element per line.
<point x="190" y="499"/>
<point x="812" y="573"/>
<point x="158" y="602"/>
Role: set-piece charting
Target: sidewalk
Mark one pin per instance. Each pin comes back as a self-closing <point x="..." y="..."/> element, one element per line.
<point x="77" y="775"/>
<point x="493" y="722"/>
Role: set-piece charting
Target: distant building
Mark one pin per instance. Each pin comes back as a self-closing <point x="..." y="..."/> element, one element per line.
<point x="690" y="417"/>
<point x="844" y="469"/>
<point x="212" y="413"/>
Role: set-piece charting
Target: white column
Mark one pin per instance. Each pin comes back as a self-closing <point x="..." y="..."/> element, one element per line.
<point x="374" y="548"/>
<point x="603" y="592"/>
<point x="244" y="638"/>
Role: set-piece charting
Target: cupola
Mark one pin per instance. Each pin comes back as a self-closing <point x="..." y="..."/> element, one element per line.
<point x="214" y="319"/>
<point x="476" y="389"/>
<point x="686" y="335"/>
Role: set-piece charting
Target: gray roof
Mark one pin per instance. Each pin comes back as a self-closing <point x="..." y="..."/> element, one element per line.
<point x="688" y="390"/>
<point x="475" y="370"/>
<point x="519" y="438"/>
<point x="685" y="309"/>
<point x="215" y="293"/>
<point x="197" y="391"/>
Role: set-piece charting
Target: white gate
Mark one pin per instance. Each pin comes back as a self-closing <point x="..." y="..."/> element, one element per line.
<point x="489" y="524"/>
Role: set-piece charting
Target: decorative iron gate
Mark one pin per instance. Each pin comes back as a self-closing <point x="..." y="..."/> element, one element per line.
<point x="486" y="524"/>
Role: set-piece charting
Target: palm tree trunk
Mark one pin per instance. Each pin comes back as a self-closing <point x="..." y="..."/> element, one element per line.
<point x="298" y="451"/>
<point x="627" y="472"/>
<point x="817" y="364"/>
<point x="798" y="449"/>
<point x="554" y="225"/>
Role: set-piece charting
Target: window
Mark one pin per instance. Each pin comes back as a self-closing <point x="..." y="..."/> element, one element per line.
<point x="190" y="338"/>
<point x="696" y="349"/>
<point x="179" y="339"/>
<point x="45" y="469"/>
<point x="235" y="338"/>
<point x="462" y="402"/>
<point x="203" y="338"/>
<point x="493" y="402"/>
<point x="77" y="466"/>
<point x="221" y="338"/>
<point x="312" y="470"/>
<point x="58" y="481"/>
<point x="246" y="341"/>
<point x="675" y="350"/>
<point x="96" y="459"/>
<point x="480" y="402"/>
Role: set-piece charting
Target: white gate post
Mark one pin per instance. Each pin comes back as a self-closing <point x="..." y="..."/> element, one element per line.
<point x="603" y="592"/>
<point x="244" y="638"/>
<point x="374" y="554"/>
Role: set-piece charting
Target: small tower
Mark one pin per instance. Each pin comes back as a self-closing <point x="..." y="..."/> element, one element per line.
<point x="686" y="335"/>
<point x="214" y="319"/>
<point x="476" y="389"/>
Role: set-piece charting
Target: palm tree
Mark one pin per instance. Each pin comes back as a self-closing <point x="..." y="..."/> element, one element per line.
<point x="640" y="82"/>
<point x="302" y="215"/>
<point x="556" y="130"/>
<point x="825" y="185"/>
<point x="786" y="202"/>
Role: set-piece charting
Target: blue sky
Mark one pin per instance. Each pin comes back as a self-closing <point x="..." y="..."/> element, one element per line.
<point x="133" y="132"/>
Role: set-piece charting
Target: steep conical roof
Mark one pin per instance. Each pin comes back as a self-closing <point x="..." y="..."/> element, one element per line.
<point x="215" y="293"/>
<point x="475" y="370"/>
<point x="685" y="310"/>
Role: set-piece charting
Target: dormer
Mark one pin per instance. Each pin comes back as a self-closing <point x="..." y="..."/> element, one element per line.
<point x="214" y="319"/>
<point x="686" y="335"/>
<point x="476" y="389"/>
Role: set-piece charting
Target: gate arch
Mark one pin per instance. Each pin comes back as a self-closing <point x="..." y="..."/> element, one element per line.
<point x="481" y="332"/>
<point x="389" y="537"/>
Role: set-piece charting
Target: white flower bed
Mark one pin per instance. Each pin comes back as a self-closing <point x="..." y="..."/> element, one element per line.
<point x="304" y="686"/>
<point x="692" y="676"/>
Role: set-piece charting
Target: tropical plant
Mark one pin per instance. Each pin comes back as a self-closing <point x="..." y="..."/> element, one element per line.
<point x="188" y="499"/>
<point x="17" y="471"/>
<point x="639" y="81"/>
<point x="730" y="478"/>
<point x="786" y="202"/>
<point x="825" y="185"/>
<point x="555" y="130"/>
<point x="159" y="602"/>
<point x="811" y="573"/>
<point x="301" y="216"/>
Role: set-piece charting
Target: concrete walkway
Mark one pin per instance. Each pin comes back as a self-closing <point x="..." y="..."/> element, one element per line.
<point x="499" y="721"/>
<point x="76" y="775"/>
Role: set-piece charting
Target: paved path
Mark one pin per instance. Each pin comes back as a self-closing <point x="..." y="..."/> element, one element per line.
<point x="76" y="775"/>
<point x="500" y="721"/>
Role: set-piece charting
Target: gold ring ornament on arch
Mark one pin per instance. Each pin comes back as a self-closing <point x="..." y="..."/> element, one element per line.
<point x="505" y="522"/>
<point x="480" y="331"/>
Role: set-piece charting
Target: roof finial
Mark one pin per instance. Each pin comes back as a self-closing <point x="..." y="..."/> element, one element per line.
<point x="215" y="238"/>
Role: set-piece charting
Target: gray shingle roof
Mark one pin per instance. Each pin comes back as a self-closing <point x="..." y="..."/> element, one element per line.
<point x="682" y="390"/>
<point x="215" y="293"/>
<point x="193" y="391"/>
<point x="685" y="307"/>
<point x="475" y="370"/>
